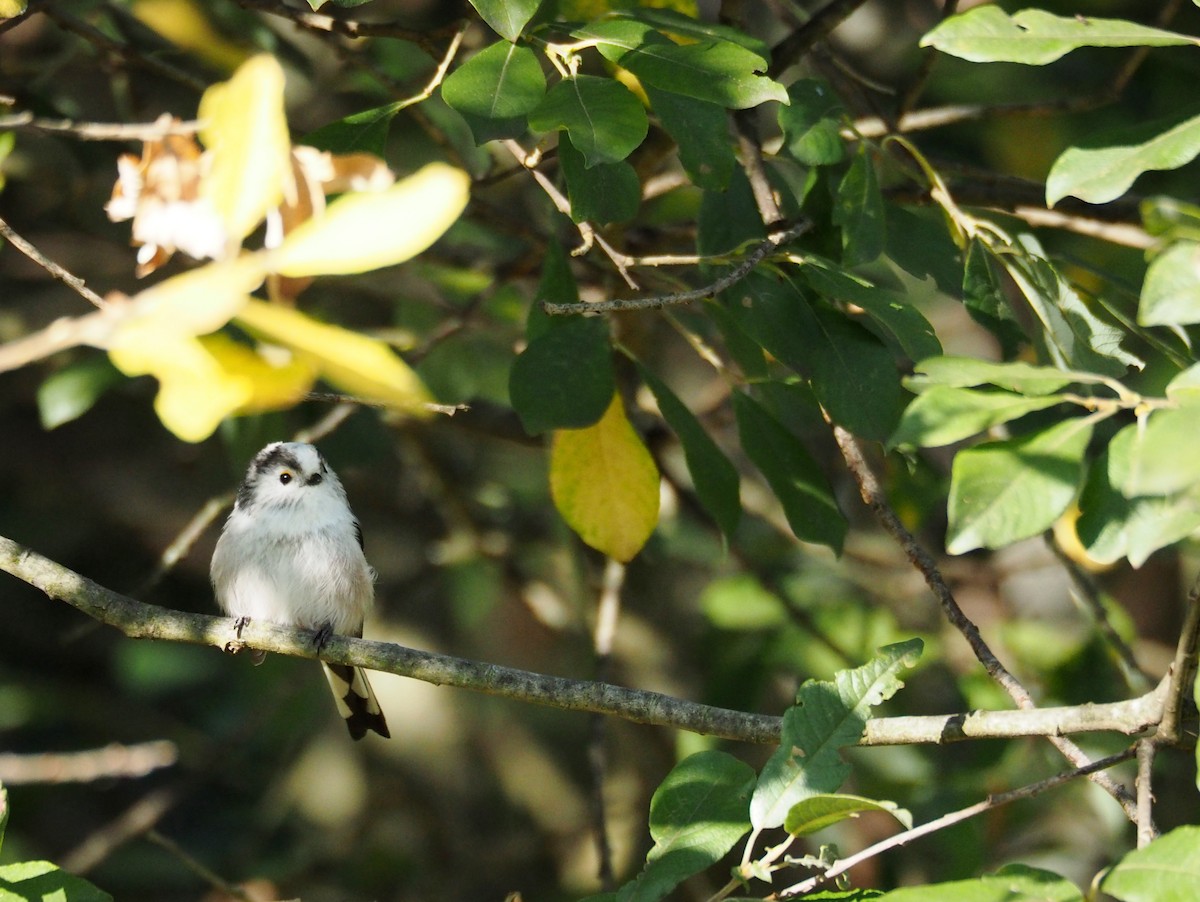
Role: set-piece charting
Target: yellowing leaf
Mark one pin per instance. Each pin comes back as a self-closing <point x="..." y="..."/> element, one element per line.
<point x="245" y="129"/>
<point x="184" y="24"/>
<point x="367" y="230"/>
<point x="200" y="300"/>
<point x="195" y="392"/>
<point x="605" y="484"/>
<point x="362" y="366"/>
<point x="273" y="386"/>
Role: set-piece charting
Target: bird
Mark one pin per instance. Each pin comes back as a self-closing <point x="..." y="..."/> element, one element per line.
<point x="291" y="553"/>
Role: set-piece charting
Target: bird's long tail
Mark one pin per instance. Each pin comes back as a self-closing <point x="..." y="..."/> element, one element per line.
<point x="356" y="701"/>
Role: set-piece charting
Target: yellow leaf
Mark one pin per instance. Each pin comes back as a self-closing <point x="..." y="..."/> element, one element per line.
<point x="194" y="391"/>
<point x="184" y="24"/>
<point x="245" y="129"/>
<point x="362" y="366"/>
<point x="200" y="300"/>
<point x="367" y="230"/>
<point x="605" y="484"/>
<point x="273" y="386"/>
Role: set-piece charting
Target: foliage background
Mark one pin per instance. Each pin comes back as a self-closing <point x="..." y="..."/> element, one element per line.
<point x="476" y="796"/>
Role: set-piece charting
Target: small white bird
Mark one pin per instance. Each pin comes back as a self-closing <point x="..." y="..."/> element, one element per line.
<point x="291" y="553"/>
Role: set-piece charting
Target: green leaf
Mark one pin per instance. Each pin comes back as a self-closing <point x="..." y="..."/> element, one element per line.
<point x="827" y="717"/>
<point x="890" y="310"/>
<point x="1001" y="492"/>
<point x="496" y="89"/>
<point x="70" y="392"/>
<point x="1025" y="378"/>
<point x="681" y="25"/>
<point x="719" y="72"/>
<point x="46" y="882"/>
<point x="986" y="301"/>
<point x="715" y="478"/>
<point x="852" y="373"/>
<point x="697" y="815"/>
<point x="1072" y="334"/>
<point x="943" y="415"/>
<point x="794" y="477"/>
<point x="1012" y="883"/>
<point x="1167" y="870"/>
<point x="1103" y="174"/>
<point x="1111" y="526"/>
<point x="1171" y="292"/>
<point x="506" y="17"/>
<point x="603" y="117"/>
<point x="812" y="123"/>
<point x="1154" y="457"/>
<point x="740" y="602"/>
<point x="1034" y="37"/>
<point x="701" y="134"/>
<point x="365" y="131"/>
<point x="564" y="379"/>
<point x="859" y="212"/>
<point x="820" y="811"/>
<point x="608" y="192"/>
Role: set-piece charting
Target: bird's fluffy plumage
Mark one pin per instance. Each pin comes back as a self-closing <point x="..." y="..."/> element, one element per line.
<point x="291" y="553"/>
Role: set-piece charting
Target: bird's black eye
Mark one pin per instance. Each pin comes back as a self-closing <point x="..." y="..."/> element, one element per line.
<point x="285" y="477"/>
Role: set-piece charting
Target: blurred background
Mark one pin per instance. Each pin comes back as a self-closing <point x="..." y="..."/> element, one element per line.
<point x="250" y="771"/>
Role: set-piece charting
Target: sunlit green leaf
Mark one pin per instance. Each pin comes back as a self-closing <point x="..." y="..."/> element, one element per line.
<point x="827" y="717"/>
<point x="1017" y="376"/>
<point x="1171" y="293"/>
<point x="1147" y="457"/>
<point x="1166" y="870"/>
<point x="41" y="880"/>
<point x="820" y="811"/>
<point x="1099" y="175"/>
<point x="697" y="815"/>
<point x="1001" y="492"/>
<point x="603" y="117"/>
<point x="1035" y="37"/>
<point x="812" y="124"/>
<point x="1012" y="883"/>
<point x="943" y="414"/>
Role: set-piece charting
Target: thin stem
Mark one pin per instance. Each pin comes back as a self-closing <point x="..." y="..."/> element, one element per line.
<point x="71" y="281"/>
<point x="990" y="803"/>
<point x="1183" y="670"/>
<point x="1146" y="831"/>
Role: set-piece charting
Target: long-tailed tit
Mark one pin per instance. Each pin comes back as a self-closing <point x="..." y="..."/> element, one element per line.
<point x="291" y="553"/>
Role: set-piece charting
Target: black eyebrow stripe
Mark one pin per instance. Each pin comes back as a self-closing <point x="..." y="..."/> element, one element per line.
<point x="276" y="455"/>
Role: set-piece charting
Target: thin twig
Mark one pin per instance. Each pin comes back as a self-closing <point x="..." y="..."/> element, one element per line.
<point x="873" y="495"/>
<point x="205" y="873"/>
<point x="71" y="281"/>
<point x="113" y="761"/>
<point x="929" y="58"/>
<point x="323" y="24"/>
<point x="1088" y="594"/>
<point x="760" y="253"/>
<point x="100" y="131"/>
<point x="955" y="817"/>
<point x="603" y="634"/>
<point x="139" y="817"/>
<point x="795" y="45"/>
<point x="131" y="55"/>
<point x="1146" y="831"/>
<point x="1183" y="670"/>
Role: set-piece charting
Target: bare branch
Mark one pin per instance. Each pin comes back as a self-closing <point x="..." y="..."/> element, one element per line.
<point x="139" y="620"/>
<point x="955" y="817"/>
<point x="1146" y="831"/>
<point x="71" y="281"/>
<point x="112" y="761"/>
<point x="1183" y="670"/>
<point x="322" y="24"/>
<point x="100" y="131"/>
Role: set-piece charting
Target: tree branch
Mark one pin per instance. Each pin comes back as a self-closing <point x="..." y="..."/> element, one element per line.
<point x="139" y="620"/>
